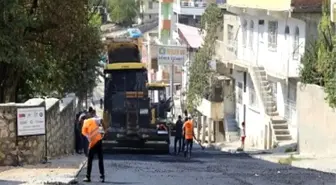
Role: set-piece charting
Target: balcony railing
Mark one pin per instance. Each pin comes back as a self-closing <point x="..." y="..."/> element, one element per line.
<point x="193" y="4"/>
<point x="226" y="52"/>
<point x="220" y="2"/>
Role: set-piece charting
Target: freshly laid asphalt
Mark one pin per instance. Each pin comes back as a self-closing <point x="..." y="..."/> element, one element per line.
<point x="206" y="167"/>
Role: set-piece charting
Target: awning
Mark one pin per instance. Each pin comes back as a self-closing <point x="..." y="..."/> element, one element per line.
<point x="191" y="35"/>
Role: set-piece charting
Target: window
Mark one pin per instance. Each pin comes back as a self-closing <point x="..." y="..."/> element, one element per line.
<point x="240" y="93"/>
<point x="286" y="32"/>
<point x="251" y="34"/>
<point x="150" y="4"/>
<point x="244" y="31"/>
<point x="230" y="35"/>
<point x="252" y="96"/>
<point x="150" y="16"/>
<point x="261" y="30"/>
<point x="272" y="34"/>
<point x="296" y="43"/>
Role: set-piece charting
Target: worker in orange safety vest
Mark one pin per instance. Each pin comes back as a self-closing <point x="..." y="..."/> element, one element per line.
<point x="188" y="132"/>
<point x="91" y="130"/>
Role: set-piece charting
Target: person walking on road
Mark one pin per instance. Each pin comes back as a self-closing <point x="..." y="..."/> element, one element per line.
<point x="78" y="135"/>
<point x="183" y="135"/>
<point x="91" y="131"/>
<point x="188" y="130"/>
<point x="243" y="135"/>
<point x="178" y="135"/>
<point x="101" y="103"/>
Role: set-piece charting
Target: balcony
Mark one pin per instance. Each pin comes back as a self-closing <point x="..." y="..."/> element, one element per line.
<point x="213" y="110"/>
<point x="191" y="7"/>
<point x="229" y="54"/>
<point x="279" y="5"/>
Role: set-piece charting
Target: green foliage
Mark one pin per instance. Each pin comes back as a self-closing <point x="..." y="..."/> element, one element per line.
<point x="319" y="61"/>
<point x="47" y="48"/>
<point x="200" y="72"/>
<point x="123" y="12"/>
<point x="95" y="20"/>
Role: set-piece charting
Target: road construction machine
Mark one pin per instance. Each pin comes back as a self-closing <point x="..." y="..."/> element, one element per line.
<point x="127" y="115"/>
<point x="160" y="104"/>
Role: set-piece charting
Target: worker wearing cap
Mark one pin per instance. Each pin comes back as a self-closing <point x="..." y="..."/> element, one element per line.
<point x="91" y="129"/>
<point x="188" y="131"/>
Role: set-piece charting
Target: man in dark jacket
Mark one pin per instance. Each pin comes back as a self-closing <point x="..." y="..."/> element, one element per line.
<point x="178" y="135"/>
<point x="78" y="134"/>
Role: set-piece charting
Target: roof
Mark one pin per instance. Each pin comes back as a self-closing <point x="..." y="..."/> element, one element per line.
<point x="307" y="5"/>
<point x="191" y="35"/>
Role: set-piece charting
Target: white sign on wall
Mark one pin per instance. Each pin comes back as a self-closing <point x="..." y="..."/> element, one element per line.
<point x="333" y="10"/>
<point x="31" y="121"/>
<point x="168" y="55"/>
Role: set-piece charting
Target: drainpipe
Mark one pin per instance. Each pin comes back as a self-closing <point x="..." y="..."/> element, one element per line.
<point x="257" y="56"/>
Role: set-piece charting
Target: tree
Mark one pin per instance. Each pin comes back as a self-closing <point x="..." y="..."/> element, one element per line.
<point x="319" y="60"/>
<point x="123" y="12"/>
<point x="201" y="76"/>
<point x="44" y="46"/>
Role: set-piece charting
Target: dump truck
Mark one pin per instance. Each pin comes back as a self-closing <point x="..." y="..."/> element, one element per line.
<point x="127" y="115"/>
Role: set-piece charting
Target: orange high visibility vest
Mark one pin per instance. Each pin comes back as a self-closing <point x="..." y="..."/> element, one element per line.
<point x="188" y="129"/>
<point x="91" y="131"/>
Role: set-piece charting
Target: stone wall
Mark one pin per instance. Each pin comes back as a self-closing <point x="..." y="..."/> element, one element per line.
<point x="316" y="122"/>
<point x="31" y="149"/>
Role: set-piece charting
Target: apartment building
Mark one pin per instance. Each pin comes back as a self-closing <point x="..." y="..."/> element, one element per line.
<point x="149" y="11"/>
<point x="262" y="43"/>
<point x="187" y="12"/>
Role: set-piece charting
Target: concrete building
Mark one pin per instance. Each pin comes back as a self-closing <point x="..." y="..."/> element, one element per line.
<point x="149" y="11"/>
<point x="261" y="45"/>
<point x="187" y="12"/>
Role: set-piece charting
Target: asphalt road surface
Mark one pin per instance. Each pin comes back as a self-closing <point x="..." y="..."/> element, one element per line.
<point x="206" y="167"/>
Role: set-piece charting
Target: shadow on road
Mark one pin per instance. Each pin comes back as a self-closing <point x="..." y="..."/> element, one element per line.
<point x="198" y="156"/>
<point x="7" y="182"/>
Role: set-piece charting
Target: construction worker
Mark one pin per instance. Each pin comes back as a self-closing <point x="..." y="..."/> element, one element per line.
<point x="188" y="130"/>
<point x="183" y="135"/>
<point x="178" y="135"/>
<point x="91" y="131"/>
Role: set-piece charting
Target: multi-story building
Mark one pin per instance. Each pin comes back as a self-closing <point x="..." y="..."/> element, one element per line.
<point x="187" y="12"/>
<point x="149" y="10"/>
<point x="262" y="43"/>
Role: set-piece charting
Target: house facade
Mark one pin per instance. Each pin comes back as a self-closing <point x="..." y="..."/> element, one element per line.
<point x="262" y="45"/>
<point x="149" y="11"/>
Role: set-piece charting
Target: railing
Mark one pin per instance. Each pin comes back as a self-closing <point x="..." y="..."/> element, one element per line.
<point x="271" y="138"/>
<point x="220" y="2"/>
<point x="193" y="4"/>
<point x="226" y="52"/>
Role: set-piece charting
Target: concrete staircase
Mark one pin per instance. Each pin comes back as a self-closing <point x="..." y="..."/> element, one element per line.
<point x="232" y="131"/>
<point x="279" y="124"/>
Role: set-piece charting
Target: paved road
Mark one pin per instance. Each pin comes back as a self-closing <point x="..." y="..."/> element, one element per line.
<point x="208" y="167"/>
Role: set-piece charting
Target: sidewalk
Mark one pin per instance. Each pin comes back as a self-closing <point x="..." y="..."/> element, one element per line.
<point x="232" y="147"/>
<point x="58" y="171"/>
<point x="321" y="164"/>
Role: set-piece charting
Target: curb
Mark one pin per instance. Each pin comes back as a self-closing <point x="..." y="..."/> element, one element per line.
<point x="80" y="168"/>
